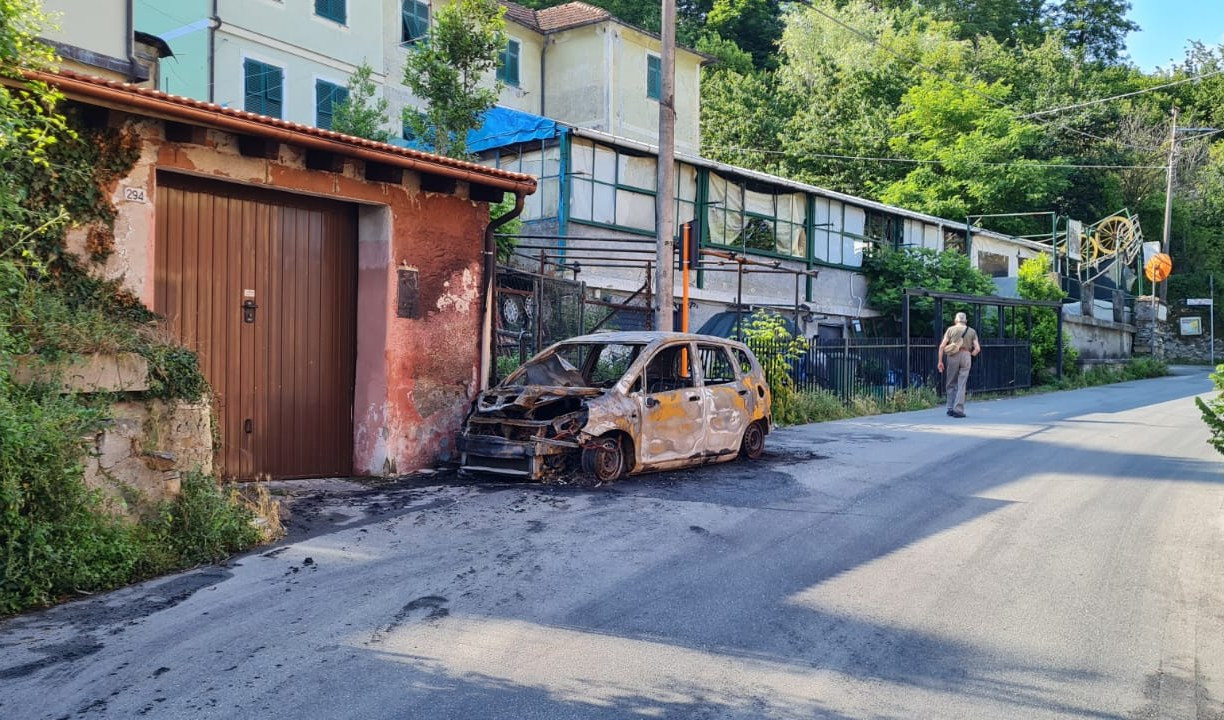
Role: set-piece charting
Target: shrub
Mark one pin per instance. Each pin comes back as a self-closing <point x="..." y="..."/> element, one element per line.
<point x="1035" y="283"/>
<point x="776" y="350"/>
<point x="202" y="525"/>
<point x="1213" y="411"/>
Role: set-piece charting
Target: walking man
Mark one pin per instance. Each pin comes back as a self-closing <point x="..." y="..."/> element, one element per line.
<point x="960" y="344"/>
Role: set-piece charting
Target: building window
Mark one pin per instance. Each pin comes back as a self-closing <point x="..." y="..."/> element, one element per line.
<point x="415" y="21"/>
<point x="887" y="230"/>
<point x="508" y="64"/>
<point x="327" y="97"/>
<point x="993" y="264"/>
<point x="654" y="77"/>
<point x="954" y="240"/>
<point x="750" y="215"/>
<point x="263" y="88"/>
<point x="332" y="10"/>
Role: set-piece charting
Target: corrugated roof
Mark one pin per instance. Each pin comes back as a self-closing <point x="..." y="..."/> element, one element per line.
<point x="75" y="84"/>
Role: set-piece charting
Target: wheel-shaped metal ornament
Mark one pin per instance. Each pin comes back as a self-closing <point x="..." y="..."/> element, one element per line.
<point x="1112" y="235"/>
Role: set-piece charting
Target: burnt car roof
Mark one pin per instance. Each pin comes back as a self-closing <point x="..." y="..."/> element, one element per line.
<point x="648" y="337"/>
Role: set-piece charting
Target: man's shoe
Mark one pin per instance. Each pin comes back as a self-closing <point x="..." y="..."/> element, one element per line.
<point x="949" y="412"/>
<point x="957" y="414"/>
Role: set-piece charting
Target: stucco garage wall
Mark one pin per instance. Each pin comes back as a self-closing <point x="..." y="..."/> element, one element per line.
<point x="415" y="375"/>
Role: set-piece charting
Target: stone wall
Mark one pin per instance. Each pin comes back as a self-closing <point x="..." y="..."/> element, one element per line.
<point x="139" y="459"/>
<point x="1151" y="330"/>
<point x="1193" y="349"/>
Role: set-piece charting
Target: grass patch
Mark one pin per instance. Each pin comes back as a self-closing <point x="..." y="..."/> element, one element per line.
<point x="822" y="405"/>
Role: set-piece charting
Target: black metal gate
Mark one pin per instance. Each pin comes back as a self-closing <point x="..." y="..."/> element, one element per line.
<point x="535" y="311"/>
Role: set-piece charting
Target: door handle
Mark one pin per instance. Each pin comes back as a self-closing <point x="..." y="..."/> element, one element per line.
<point x="651" y="402"/>
<point x="248" y="311"/>
<point x="694" y="398"/>
<point x="741" y="392"/>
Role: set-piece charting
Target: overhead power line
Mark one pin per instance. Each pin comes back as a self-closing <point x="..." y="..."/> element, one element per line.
<point x="876" y="42"/>
<point x="1133" y="93"/>
<point x="915" y="161"/>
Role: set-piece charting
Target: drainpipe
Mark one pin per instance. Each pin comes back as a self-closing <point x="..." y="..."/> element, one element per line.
<point x="214" y="23"/>
<point x="131" y="43"/>
<point x="543" y="76"/>
<point x="490" y="268"/>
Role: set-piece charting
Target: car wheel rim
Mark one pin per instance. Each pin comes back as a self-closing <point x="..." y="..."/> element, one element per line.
<point x="754" y="441"/>
<point x="608" y="460"/>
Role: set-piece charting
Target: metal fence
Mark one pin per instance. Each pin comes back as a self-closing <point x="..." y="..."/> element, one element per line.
<point x="878" y="366"/>
<point x="535" y="311"/>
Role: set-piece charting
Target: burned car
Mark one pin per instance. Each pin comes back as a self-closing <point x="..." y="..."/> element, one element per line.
<point x="615" y="403"/>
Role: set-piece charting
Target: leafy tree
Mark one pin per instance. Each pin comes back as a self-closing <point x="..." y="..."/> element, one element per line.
<point x="743" y="118"/>
<point x="756" y="26"/>
<point x="449" y="73"/>
<point x="1012" y="22"/>
<point x="29" y="125"/>
<point x="363" y="113"/>
<point x="890" y="271"/>
<point x="1095" y="29"/>
<point x="977" y="157"/>
<point x="851" y="88"/>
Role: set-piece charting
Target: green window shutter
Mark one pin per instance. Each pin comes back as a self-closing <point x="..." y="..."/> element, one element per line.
<point x="332" y="10"/>
<point x="415" y="20"/>
<point x="508" y="64"/>
<point x="262" y="88"/>
<point x="654" y="77"/>
<point x="327" y="97"/>
<point x="252" y="86"/>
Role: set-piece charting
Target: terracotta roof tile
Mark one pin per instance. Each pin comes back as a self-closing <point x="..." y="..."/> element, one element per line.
<point x="570" y="15"/>
<point x="69" y="81"/>
<point x="524" y="16"/>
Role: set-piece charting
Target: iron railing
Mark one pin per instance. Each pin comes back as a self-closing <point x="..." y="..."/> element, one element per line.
<point x="879" y="367"/>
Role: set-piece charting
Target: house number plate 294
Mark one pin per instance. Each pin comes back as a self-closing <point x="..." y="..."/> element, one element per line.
<point x="134" y="194"/>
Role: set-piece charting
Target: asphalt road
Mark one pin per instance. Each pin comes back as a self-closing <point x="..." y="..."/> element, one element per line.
<point x="1054" y="556"/>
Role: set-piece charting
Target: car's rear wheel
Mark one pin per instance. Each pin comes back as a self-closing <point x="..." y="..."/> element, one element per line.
<point x="753" y="444"/>
<point x="604" y="459"/>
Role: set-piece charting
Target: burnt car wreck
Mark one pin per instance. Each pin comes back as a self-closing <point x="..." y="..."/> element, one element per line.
<point x="611" y="404"/>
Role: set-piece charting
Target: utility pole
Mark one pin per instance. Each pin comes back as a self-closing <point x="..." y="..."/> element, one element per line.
<point x="665" y="206"/>
<point x="1168" y="213"/>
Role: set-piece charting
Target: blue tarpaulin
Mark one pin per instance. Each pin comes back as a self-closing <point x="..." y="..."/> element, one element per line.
<point x="501" y="127"/>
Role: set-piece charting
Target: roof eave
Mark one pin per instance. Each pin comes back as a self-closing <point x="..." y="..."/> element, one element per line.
<point x="123" y="96"/>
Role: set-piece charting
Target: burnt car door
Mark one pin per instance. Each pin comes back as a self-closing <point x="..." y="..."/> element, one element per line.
<point x="670" y="405"/>
<point x="728" y="399"/>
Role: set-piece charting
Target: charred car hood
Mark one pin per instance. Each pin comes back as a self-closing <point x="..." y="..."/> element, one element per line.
<point x="529" y="397"/>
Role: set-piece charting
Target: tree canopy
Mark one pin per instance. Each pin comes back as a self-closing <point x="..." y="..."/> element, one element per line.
<point x="447" y="71"/>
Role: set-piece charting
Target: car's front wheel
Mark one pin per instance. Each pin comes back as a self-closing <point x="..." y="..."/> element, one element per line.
<point x="753" y="444"/>
<point x="604" y="459"/>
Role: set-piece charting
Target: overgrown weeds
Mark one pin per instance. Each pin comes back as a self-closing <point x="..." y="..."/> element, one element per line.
<point x="1140" y="368"/>
<point x="822" y="405"/>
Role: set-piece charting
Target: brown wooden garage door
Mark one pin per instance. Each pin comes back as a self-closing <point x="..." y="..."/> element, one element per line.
<point x="282" y="371"/>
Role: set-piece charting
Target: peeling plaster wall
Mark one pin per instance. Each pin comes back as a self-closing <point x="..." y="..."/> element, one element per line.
<point x="415" y="377"/>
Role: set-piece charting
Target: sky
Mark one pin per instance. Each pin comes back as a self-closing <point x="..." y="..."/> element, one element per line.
<point x="1168" y="26"/>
